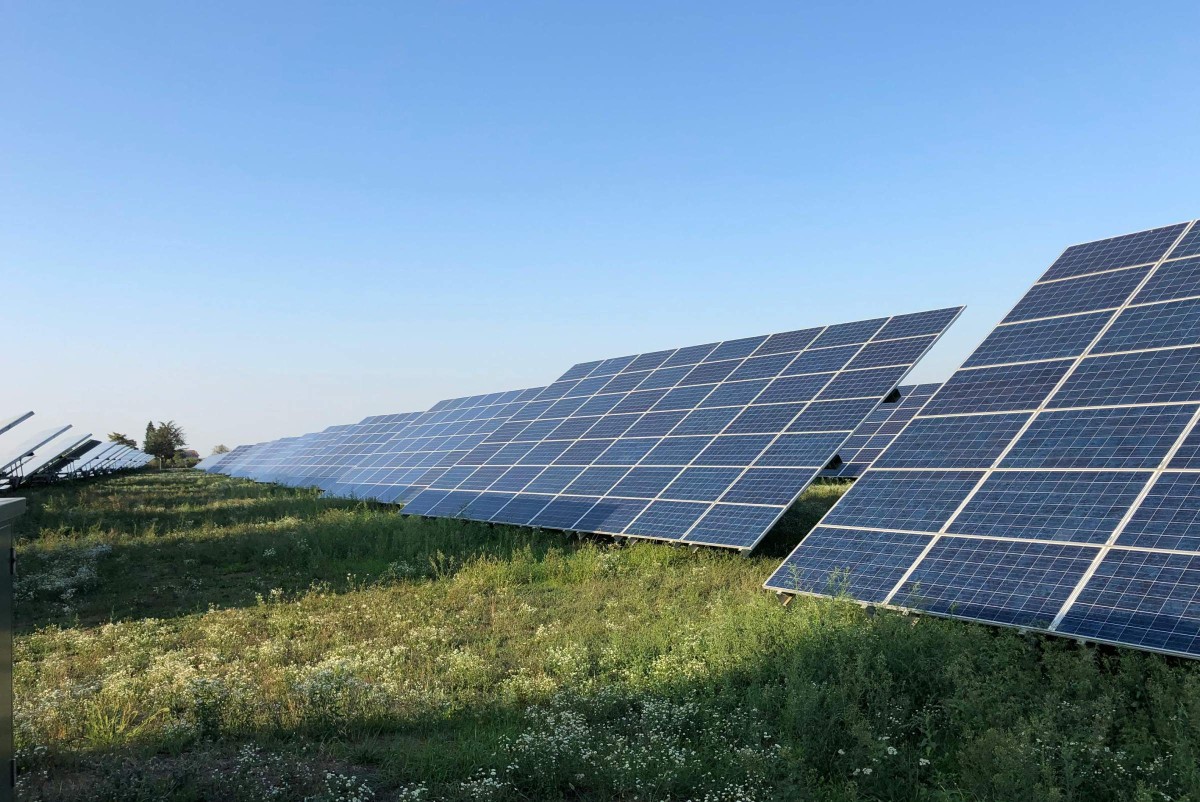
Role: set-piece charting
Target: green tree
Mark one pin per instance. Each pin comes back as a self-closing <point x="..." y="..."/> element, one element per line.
<point x="221" y="449"/>
<point x="164" y="440"/>
<point x="123" y="439"/>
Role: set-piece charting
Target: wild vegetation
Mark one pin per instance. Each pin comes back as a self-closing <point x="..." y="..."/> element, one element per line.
<point x="187" y="637"/>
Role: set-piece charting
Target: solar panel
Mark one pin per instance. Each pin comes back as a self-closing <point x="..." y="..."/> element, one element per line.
<point x="344" y="448"/>
<point x="51" y="451"/>
<point x="9" y="423"/>
<point x="879" y="430"/>
<point x="1052" y="482"/>
<point x="85" y="460"/>
<point x="426" y="445"/>
<point x="705" y="444"/>
<point x="10" y="458"/>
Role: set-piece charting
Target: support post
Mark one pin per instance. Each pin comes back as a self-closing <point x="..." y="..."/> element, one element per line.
<point x="10" y="510"/>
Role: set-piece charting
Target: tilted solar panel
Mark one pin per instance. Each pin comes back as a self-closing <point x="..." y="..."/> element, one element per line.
<point x="13" y="421"/>
<point x="1051" y="483"/>
<point x="12" y="456"/>
<point x="879" y="430"/>
<point x="428" y="444"/>
<point x="706" y="444"/>
<point x="347" y="448"/>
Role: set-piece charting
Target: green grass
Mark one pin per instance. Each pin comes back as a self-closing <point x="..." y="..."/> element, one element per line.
<point x="186" y="637"/>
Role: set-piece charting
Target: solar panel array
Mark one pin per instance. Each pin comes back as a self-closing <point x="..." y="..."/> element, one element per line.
<point x="425" y="445"/>
<point x="52" y="454"/>
<point x="705" y="444"/>
<point x="879" y="430"/>
<point x="1052" y="482"/>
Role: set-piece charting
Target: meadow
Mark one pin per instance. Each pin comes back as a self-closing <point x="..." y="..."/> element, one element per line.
<point x="182" y="636"/>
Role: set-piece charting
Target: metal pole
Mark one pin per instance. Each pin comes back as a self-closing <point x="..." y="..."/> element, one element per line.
<point x="10" y="510"/>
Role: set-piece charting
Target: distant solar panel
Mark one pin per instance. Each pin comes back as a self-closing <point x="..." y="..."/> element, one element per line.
<point x="82" y="462"/>
<point x="428" y="444"/>
<point x="11" y="457"/>
<point x="11" y="422"/>
<point x="705" y="444"/>
<point x="879" y="430"/>
<point x="1051" y="483"/>
<point x="51" y="451"/>
<point x="346" y="447"/>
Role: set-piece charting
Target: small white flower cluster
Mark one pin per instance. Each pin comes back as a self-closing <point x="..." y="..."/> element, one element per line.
<point x="343" y="788"/>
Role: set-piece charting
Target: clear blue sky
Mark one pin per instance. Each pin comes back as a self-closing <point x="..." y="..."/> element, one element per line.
<point x="263" y="218"/>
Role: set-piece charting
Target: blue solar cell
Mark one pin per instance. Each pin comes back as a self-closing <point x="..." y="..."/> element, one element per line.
<point x="484" y="506"/>
<point x="448" y="480"/>
<point x="710" y="372"/>
<point x="733" y="525"/>
<point x="1004" y="582"/>
<point x="1040" y="339"/>
<point x="1142" y="599"/>
<point x="736" y="349"/>
<point x="735" y="394"/>
<point x="918" y="323"/>
<point x="624" y="382"/>
<point x="639" y="401"/>
<point x="644" y="482"/>
<point x="521" y="509"/>
<point x="578" y="371"/>
<point x="612" y="425"/>
<point x="775" y="486"/>
<point x="551" y="480"/>
<point x="656" y="424"/>
<point x="1137" y="437"/>
<point x="762" y="367"/>
<point x="822" y="360"/>
<point x="610" y="515"/>
<point x="701" y="484"/>
<point x="543" y="453"/>
<point x="1129" y="249"/>
<point x="734" y="449"/>
<point x="875" y="382"/>
<point x="427" y="501"/>
<point x="833" y="415"/>
<point x="844" y="333"/>
<point x="1189" y="245"/>
<point x="482" y="477"/>
<point x="562" y="513"/>
<point x="1105" y="291"/>
<point x="769" y="418"/>
<point x="690" y="355"/>
<point x="914" y="500"/>
<point x="1157" y="326"/>
<point x="1169" y="516"/>
<point x="583" y="452"/>
<point x="664" y="378"/>
<point x="997" y="389"/>
<point x="1078" y="507"/>
<point x="595" y="481"/>
<point x="893" y="352"/>
<point x="648" y="361"/>
<point x="676" y="451"/>
<point x="516" y="478"/>
<point x="796" y="450"/>
<point x="683" y="397"/>
<point x="865" y="565"/>
<point x="626" y="451"/>
<point x="1151" y="377"/>
<point x="794" y="388"/>
<point x="600" y="404"/>
<point x="706" y="421"/>
<point x="615" y="365"/>
<point x="666" y="519"/>
<point x="787" y="341"/>
<point x="1179" y="279"/>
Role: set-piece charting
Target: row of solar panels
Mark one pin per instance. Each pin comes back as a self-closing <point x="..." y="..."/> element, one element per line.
<point x="58" y="453"/>
<point x="704" y="444"/>
<point x="1053" y="483"/>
